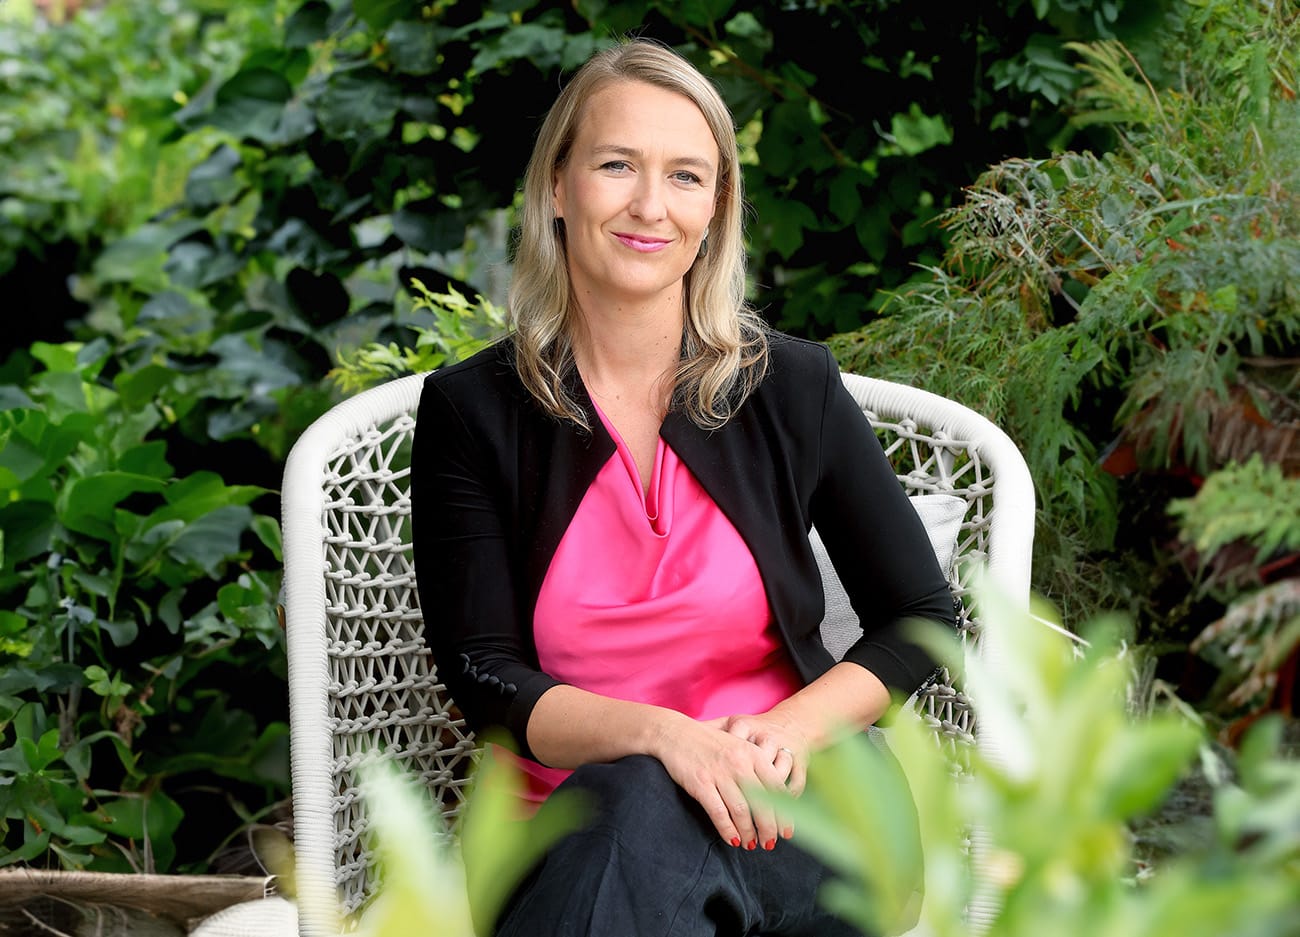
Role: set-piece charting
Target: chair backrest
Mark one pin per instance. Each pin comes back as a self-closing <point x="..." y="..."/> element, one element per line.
<point x="362" y="680"/>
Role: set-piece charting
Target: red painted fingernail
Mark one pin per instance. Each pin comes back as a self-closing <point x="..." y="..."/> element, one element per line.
<point x="751" y="844"/>
<point x="735" y="840"/>
<point x="788" y="832"/>
<point x="770" y="845"/>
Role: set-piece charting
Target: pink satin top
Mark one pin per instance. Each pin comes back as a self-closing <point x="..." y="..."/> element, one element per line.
<point x="652" y="596"/>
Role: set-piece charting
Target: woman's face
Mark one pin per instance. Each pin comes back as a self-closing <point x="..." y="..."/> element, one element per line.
<point x="636" y="194"/>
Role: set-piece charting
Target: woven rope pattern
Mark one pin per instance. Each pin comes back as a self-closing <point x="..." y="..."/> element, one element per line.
<point x="936" y="463"/>
<point x="383" y="688"/>
<point x="384" y="694"/>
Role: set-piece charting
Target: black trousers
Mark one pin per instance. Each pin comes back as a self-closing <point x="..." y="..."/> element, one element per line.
<point x="652" y="865"/>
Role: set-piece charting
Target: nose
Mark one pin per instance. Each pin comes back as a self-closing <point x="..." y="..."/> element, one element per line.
<point x="648" y="202"/>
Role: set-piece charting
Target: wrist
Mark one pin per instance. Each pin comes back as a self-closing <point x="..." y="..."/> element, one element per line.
<point x="798" y="721"/>
<point x="663" y="731"/>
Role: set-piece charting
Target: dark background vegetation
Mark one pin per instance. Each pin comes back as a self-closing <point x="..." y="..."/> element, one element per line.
<point x="206" y="206"/>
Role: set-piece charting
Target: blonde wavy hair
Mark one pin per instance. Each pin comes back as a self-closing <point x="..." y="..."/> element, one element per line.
<point x="724" y="342"/>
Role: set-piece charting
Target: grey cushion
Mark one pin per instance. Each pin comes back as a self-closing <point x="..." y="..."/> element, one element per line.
<point x="942" y="516"/>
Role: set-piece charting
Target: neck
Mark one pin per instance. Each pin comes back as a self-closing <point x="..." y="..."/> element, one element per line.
<point x="620" y="350"/>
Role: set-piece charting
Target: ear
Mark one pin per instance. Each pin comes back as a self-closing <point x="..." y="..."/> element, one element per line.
<point x="557" y="195"/>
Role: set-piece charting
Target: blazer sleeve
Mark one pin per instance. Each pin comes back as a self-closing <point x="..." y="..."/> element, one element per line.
<point x="877" y="544"/>
<point x="462" y="556"/>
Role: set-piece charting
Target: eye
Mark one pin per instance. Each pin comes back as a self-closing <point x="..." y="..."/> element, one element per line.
<point x="616" y="165"/>
<point x="690" y="178"/>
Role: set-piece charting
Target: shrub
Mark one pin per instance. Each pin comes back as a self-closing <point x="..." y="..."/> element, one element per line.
<point x="1124" y="316"/>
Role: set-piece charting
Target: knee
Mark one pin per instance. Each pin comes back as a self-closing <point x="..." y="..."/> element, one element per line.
<point x="634" y="792"/>
<point x="635" y="776"/>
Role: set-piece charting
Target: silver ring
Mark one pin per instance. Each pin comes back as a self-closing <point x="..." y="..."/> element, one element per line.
<point x="787" y="751"/>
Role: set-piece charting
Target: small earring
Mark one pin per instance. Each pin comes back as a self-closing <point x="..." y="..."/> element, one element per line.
<point x="704" y="248"/>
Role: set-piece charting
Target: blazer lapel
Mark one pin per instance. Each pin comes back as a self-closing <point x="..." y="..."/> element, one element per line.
<point x="558" y="461"/>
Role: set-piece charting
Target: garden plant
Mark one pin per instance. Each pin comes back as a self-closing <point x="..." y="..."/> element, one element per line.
<point x="219" y="217"/>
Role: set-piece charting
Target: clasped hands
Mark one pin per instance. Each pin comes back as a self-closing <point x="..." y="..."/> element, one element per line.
<point x="719" y="761"/>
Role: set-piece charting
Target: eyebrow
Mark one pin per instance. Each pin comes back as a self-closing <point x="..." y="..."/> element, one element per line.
<point x="695" y="162"/>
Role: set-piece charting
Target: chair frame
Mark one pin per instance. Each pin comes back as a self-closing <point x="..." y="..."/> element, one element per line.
<point x="361" y="679"/>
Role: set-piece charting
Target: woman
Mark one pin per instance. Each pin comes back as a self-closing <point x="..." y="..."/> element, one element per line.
<point x="611" y="511"/>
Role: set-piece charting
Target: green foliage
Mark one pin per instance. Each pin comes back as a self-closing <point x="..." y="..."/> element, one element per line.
<point x="460" y="329"/>
<point x="85" y="115"/>
<point x="125" y="594"/>
<point x="1251" y="646"/>
<point x="1065" y="771"/>
<point x="460" y="892"/>
<point x="359" y="148"/>
<point x="1251" y="502"/>
<point x="1242" y="518"/>
<point x="208" y="204"/>
<point x="1124" y="316"/>
<point x="1050" y="798"/>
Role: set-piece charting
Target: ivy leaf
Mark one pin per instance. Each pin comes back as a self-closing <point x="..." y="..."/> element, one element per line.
<point x="429" y="227"/>
<point x="215" y="180"/>
<point x="412" y="47"/>
<point x="307" y="25"/>
<point x="703" y="12"/>
<point x="138" y="257"/>
<point x="787" y="220"/>
<point x="211" y="539"/>
<point x="378" y="14"/>
<point x="87" y="505"/>
<point x="251" y="102"/>
<point x="13" y="398"/>
<point x="915" y="132"/>
<point x="138" y="388"/>
<point x="846" y="196"/>
<point x="358" y="104"/>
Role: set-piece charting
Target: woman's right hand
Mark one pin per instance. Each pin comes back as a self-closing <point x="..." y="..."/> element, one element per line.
<point x="717" y="768"/>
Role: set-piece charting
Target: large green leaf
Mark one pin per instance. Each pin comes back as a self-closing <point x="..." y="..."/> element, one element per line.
<point x="308" y="24"/>
<point x="428" y="226"/>
<point x="201" y="493"/>
<point x="412" y="47"/>
<point x="149" y="815"/>
<point x="138" y="258"/>
<point x="87" y="505"/>
<point x="541" y="44"/>
<point x="138" y="388"/>
<point x="216" y="179"/>
<point x="211" y="540"/>
<point x="56" y="677"/>
<point x="251" y="102"/>
<point x="915" y="131"/>
<point x="195" y="265"/>
<point x="380" y="13"/>
<point x="359" y="103"/>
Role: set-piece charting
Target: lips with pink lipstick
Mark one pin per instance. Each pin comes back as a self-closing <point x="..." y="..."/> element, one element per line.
<point x="641" y="242"/>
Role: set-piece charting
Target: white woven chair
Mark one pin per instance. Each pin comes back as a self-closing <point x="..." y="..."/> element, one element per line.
<point x="361" y="678"/>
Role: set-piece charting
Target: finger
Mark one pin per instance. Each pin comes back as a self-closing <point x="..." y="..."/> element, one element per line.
<point x="739" y="726"/>
<point x="742" y="817"/>
<point x="784" y="762"/>
<point x="798" y="776"/>
<point x="785" y="825"/>
<point x="715" y="806"/>
<point x="766" y="825"/>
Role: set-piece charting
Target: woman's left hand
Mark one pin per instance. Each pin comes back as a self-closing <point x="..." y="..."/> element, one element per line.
<point x="783" y="743"/>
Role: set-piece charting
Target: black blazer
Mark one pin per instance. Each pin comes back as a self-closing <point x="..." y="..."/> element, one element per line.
<point x="495" y="482"/>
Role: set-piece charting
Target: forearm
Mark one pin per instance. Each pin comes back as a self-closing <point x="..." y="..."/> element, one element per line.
<point x="847" y="697"/>
<point x="569" y="727"/>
